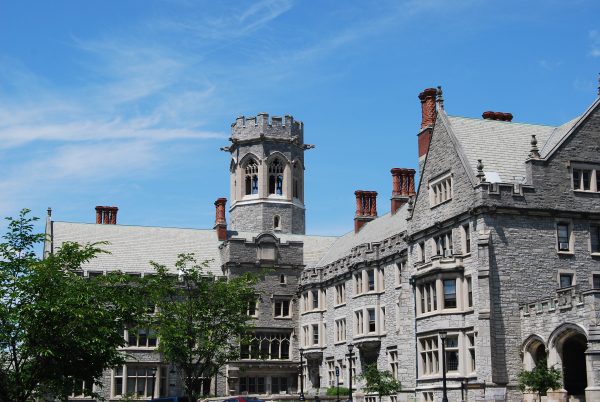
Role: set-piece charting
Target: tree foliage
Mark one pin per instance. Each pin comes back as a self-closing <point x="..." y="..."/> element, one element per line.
<point x="540" y="379"/>
<point x="200" y="319"/>
<point x="379" y="382"/>
<point x="57" y="329"/>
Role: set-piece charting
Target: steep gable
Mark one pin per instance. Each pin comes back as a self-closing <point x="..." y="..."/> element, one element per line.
<point x="445" y="158"/>
<point x="577" y="148"/>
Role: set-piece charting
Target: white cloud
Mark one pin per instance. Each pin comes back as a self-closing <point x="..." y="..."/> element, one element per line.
<point x="595" y="43"/>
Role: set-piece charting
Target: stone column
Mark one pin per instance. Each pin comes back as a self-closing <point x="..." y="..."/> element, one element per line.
<point x="592" y="362"/>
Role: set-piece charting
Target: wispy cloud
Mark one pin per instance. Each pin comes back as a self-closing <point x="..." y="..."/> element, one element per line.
<point x="550" y="65"/>
<point x="231" y="23"/>
<point x="595" y="43"/>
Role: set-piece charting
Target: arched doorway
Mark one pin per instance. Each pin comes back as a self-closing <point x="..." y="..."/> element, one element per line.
<point x="534" y="352"/>
<point x="573" y="364"/>
<point x="567" y="346"/>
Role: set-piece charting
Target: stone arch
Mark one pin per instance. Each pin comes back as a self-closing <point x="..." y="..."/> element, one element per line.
<point x="277" y="154"/>
<point x="567" y="345"/>
<point x="278" y="174"/>
<point x="246" y="158"/>
<point x="250" y="176"/>
<point x="534" y="350"/>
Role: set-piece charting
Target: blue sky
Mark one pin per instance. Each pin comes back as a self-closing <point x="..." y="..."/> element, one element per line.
<point x="126" y="103"/>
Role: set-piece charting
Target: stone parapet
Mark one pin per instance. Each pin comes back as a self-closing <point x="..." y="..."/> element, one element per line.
<point x="366" y="253"/>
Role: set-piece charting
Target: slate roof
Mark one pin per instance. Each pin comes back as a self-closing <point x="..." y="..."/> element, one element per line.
<point x="376" y="230"/>
<point x="132" y="247"/>
<point x="557" y="136"/>
<point x="504" y="146"/>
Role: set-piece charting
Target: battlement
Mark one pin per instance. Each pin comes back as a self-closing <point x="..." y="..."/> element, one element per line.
<point x="245" y="128"/>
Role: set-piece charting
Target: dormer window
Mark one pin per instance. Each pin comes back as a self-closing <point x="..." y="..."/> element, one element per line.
<point x="440" y="190"/>
<point x="251" y="177"/>
<point x="276" y="177"/>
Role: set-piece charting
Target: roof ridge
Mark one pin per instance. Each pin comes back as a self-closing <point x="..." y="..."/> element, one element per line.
<point x="501" y="122"/>
<point x="132" y="226"/>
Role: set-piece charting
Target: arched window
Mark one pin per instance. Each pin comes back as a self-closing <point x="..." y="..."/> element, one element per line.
<point x="276" y="177"/>
<point x="276" y="222"/>
<point x="296" y="181"/>
<point x="251" y="177"/>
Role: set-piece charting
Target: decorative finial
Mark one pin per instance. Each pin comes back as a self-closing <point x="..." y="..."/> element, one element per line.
<point x="410" y="204"/>
<point x="535" y="152"/>
<point x="598" y="84"/>
<point x="440" y="96"/>
<point x="480" y="175"/>
<point x="49" y="212"/>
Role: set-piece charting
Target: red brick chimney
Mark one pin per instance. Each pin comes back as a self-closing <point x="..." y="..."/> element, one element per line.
<point x="366" y="208"/>
<point x="220" y="222"/>
<point x="427" y="98"/>
<point x="403" y="187"/>
<point x="106" y="215"/>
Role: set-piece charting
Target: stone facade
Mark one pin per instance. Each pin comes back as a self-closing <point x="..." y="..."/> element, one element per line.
<point x="494" y="256"/>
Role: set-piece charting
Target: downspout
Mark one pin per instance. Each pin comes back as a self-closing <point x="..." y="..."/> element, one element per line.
<point x="413" y="283"/>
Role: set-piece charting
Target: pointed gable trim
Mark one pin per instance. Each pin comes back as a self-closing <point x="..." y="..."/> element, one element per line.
<point x="458" y="147"/>
<point x="573" y="128"/>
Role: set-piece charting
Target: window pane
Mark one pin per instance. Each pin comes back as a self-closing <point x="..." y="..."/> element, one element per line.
<point x="563" y="236"/>
<point x="595" y="237"/>
<point x="371" y="273"/>
<point x="576" y="179"/>
<point x="596" y="281"/>
<point x="449" y="293"/>
<point x="452" y="360"/>
<point x="565" y="280"/>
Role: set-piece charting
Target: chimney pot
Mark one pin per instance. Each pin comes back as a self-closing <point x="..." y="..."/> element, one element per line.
<point x="403" y="187"/>
<point x="366" y="208"/>
<point x="500" y="116"/>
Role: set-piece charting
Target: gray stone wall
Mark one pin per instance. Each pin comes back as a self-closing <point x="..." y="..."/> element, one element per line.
<point x="442" y="158"/>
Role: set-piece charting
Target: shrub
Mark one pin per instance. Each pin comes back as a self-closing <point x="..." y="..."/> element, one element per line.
<point x="332" y="391"/>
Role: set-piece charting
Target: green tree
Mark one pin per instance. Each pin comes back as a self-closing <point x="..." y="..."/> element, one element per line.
<point x="57" y="329"/>
<point x="379" y="382"/>
<point x="200" y="319"/>
<point x="540" y="379"/>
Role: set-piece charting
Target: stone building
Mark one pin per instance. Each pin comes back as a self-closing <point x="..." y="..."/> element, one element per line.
<point x="492" y="256"/>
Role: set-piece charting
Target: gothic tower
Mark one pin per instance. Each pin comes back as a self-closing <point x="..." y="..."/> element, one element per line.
<point x="267" y="174"/>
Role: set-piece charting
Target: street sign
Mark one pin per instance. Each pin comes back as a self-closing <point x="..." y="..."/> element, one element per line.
<point x="337" y="371"/>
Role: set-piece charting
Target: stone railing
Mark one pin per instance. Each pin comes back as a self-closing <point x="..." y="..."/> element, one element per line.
<point x="563" y="299"/>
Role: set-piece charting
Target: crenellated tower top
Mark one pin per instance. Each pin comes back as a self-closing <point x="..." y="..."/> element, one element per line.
<point x="267" y="174"/>
<point x="261" y="125"/>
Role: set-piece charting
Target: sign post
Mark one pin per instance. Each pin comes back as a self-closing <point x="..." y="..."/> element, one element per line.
<point x="337" y="379"/>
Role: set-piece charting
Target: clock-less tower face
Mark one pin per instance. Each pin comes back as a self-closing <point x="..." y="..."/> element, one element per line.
<point x="267" y="174"/>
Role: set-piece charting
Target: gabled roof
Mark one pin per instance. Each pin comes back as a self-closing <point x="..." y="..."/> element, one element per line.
<point x="133" y="247"/>
<point x="502" y="146"/>
<point x="563" y="132"/>
<point x="376" y="230"/>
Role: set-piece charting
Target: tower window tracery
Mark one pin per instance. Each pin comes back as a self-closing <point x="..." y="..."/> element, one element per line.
<point x="251" y="177"/>
<point x="276" y="177"/>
